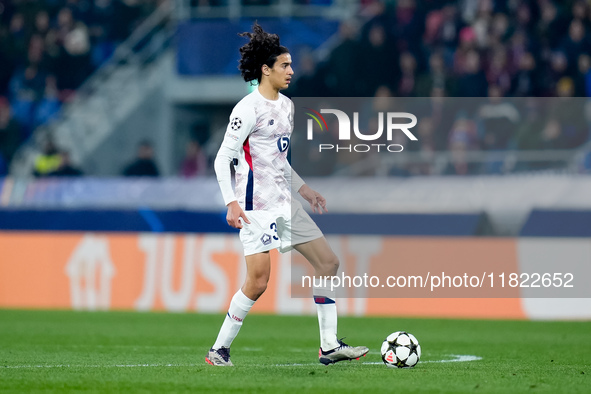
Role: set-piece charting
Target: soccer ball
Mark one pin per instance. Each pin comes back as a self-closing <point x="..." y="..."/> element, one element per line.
<point x="401" y="350"/>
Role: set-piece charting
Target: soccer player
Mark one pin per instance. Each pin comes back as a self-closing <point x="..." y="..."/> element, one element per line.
<point x="256" y="143"/>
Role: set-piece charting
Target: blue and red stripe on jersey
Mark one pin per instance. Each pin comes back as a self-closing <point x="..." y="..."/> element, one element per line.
<point x="248" y="205"/>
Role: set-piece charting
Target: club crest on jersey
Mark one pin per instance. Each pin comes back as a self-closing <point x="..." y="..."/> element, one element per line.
<point x="283" y="143"/>
<point x="236" y="123"/>
<point x="266" y="239"/>
<point x="271" y="122"/>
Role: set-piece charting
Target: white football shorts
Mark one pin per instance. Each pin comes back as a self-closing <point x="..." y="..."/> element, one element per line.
<point x="278" y="230"/>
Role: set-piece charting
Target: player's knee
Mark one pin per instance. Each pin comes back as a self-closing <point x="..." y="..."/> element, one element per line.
<point x="260" y="286"/>
<point x="330" y="266"/>
<point x="255" y="286"/>
<point x="334" y="264"/>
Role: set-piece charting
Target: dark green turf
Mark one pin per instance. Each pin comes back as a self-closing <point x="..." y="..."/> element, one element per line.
<point x="93" y="352"/>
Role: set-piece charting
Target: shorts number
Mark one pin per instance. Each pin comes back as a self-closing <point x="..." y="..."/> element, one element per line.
<point x="274" y="228"/>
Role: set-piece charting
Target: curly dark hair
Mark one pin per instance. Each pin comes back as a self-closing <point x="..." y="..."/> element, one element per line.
<point x="263" y="48"/>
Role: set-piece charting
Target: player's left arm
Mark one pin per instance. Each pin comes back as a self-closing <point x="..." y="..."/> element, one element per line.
<point x="315" y="199"/>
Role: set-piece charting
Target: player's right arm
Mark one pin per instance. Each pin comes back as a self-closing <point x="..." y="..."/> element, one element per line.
<point x="242" y="122"/>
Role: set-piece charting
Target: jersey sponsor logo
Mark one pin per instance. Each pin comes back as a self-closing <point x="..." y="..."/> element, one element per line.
<point x="283" y="143"/>
<point x="236" y="123"/>
<point x="232" y="136"/>
<point x="266" y="239"/>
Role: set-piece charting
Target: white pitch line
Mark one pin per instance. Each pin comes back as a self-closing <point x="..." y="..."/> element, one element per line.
<point x="456" y="358"/>
<point x="96" y="366"/>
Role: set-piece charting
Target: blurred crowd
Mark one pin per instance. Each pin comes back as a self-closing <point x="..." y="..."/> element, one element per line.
<point x="224" y="3"/>
<point x="53" y="161"/>
<point x="471" y="48"/>
<point x="47" y="49"/>
<point x="455" y="136"/>
<point x="406" y="48"/>
<point x="465" y="48"/>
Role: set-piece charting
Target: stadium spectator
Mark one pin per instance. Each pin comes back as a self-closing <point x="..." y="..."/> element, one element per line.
<point x="568" y="112"/>
<point x="3" y="166"/>
<point x="408" y="75"/>
<point x="524" y="17"/>
<point x="18" y="36"/>
<point x="10" y="135"/>
<point x="529" y="133"/>
<point x="73" y="64"/>
<point x="467" y="44"/>
<point x="66" y="168"/>
<point x="575" y="44"/>
<point x="459" y="165"/>
<point x="101" y="31"/>
<point x="552" y="135"/>
<point x="311" y="80"/>
<point x="442" y="28"/>
<point x="443" y="113"/>
<point x="552" y="26"/>
<point x="438" y="77"/>
<point x="497" y="73"/>
<point x="525" y="81"/>
<point x="426" y="147"/>
<point x="472" y="81"/>
<point x="425" y="135"/>
<point x="583" y="77"/>
<point x="6" y="60"/>
<point x="343" y="62"/>
<point x="49" y="105"/>
<point x="126" y="16"/>
<point x="585" y="165"/>
<point x="378" y="62"/>
<point x="42" y="24"/>
<point x="144" y="163"/>
<point x="48" y="161"/>
<point x="195" y="162"/>
<point x="464" y="132"/>
<point x="498" y="119"/>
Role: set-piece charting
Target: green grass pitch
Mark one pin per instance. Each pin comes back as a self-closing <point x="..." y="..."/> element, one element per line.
<point x="58" y="351"/>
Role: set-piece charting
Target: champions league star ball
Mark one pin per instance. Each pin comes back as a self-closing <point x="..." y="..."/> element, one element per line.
<point x="401" y="350"/>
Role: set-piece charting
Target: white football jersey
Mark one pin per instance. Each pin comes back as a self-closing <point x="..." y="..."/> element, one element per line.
<point x="257" y="138"/>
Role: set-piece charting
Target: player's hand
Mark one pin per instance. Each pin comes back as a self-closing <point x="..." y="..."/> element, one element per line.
<point x="234" y="214"/>
<point x="317" y="202"/>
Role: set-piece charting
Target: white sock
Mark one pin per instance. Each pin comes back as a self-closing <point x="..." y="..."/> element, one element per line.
<point x="239" y="307"/>
<point x="327" y="317"/>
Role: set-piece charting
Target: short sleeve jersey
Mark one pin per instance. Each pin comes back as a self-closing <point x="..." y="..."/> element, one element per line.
<point x="259" y="131"/>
